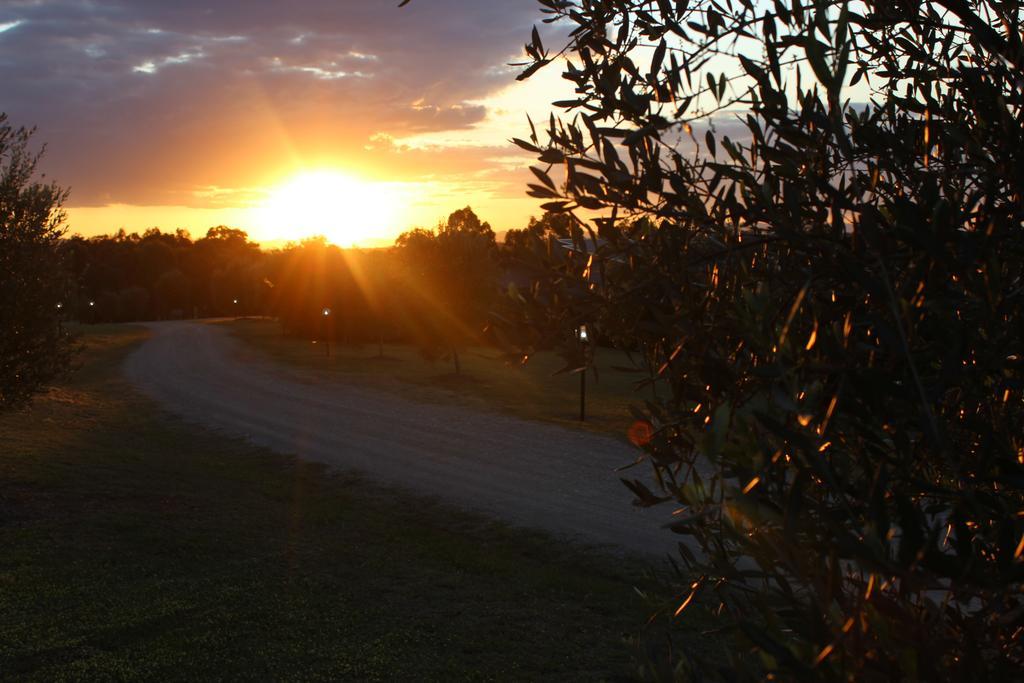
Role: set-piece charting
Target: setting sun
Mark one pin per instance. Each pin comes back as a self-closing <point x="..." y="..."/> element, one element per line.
<point x="345" y="210"/>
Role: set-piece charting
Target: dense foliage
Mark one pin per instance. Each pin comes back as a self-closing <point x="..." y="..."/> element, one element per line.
<point x="159" y="275"/>
<point x="832" y="289"/>
<point x="34" y="348"/>
<point x="435" y="288"/>
<point x="451" y="279"/>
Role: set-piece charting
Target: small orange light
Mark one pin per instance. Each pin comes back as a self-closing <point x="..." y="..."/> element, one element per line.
<point x="640" y="433"/>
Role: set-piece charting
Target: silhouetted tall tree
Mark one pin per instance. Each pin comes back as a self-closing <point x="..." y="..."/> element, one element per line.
<point x="451" y="276"/>
<point x="34" y="348"/>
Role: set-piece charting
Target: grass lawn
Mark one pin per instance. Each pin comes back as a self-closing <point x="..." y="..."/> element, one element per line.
<point x="135" y="546"/>
<point x="532" y="391"/>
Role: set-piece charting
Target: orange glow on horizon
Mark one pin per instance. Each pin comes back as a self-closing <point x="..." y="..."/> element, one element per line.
<point x="257" y="166"/>
<point x="407" y="205"/>
<point x="415" y="181"/>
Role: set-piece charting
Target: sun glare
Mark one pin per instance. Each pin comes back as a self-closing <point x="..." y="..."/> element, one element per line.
<point x="345" y="210"/>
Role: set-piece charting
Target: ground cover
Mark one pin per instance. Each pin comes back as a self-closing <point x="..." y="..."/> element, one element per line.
<point x="138" y="546"/>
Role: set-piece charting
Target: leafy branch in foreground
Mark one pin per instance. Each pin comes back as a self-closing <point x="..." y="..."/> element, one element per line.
<point x="832" y="291"/>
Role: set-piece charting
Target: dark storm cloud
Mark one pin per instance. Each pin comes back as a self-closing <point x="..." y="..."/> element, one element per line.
<point x="143" y="101"/>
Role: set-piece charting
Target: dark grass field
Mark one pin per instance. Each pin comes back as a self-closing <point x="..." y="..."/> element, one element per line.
<point x="135" y="546"/>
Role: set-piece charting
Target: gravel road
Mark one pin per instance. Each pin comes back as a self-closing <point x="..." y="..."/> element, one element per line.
<point x="526" y="473"/>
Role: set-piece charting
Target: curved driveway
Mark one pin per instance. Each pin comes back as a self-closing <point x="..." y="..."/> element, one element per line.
<point x="527" y="473"/>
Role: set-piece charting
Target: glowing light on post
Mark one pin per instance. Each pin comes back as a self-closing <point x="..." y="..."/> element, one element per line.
<point x="327" y="330"/>
<point x="583" y="337"/>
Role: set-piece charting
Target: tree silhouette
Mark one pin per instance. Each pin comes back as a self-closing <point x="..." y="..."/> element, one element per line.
<point x="466" y="222"/>
<point x="34" y="348"/>
<point x="451" y="280"/>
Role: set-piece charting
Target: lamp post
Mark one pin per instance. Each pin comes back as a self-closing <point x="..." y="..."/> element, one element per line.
<point x="583" y="337"/>
<point x="327" y="336"/>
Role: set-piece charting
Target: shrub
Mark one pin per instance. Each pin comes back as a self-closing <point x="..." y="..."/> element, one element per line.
<point x="34" y="347"/>
<point x="833" y="293"/>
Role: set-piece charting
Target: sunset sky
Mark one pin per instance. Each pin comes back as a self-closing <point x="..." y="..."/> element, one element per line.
<point x="348" y="118"/>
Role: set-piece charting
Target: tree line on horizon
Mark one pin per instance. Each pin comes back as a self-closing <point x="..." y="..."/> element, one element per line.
<point x="435" y="288"/>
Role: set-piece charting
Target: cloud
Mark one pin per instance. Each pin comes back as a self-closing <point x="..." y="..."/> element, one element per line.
<point x="151" y="102"/>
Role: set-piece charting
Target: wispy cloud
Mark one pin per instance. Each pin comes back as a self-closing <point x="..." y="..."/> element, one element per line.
<point x="155" y="102"/>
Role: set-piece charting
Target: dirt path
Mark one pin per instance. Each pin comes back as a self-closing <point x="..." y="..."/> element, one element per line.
<point x="526" y="473"/>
